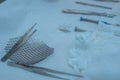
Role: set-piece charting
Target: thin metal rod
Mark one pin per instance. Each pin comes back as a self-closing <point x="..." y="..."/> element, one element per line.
<point x="89" y="20"/>
<point x="97" y="21"/>
<point x="34" y="70"/>
<point x="53" y="71"/>
<point x="107" y="23"/>
<point x="93" y="5"/>
<point x="74" y="11"/>
<point x="115" y="1"/>
<point x="19" y="43"/>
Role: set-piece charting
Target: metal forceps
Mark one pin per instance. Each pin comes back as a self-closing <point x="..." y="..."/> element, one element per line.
<point x="19" y="43"/>
<point x="43" y="71"/>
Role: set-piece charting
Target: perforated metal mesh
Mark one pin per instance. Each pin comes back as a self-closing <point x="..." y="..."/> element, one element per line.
<point x="30" y="53"/>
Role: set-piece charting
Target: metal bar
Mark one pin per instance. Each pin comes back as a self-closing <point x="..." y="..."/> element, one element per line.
<point x="93" y="5"/>
<point x="89" y="20"/>
<point x="107" y="23"/>
<point x="74" y="11"/>
<point x="40" y="71"/>
<point x="115" y="1"/>
<point x="54" y="71"/>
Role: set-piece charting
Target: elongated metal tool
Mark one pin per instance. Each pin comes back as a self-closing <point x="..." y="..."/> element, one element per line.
<point x="115" y="1"/>
<point x="19" y="43"/>
<point x="97" y="21"/>
<point x="89" y="20"/>
<point x="93" y="5"/>
<point x="84" y="12"/>
<point x="43" y="71"/>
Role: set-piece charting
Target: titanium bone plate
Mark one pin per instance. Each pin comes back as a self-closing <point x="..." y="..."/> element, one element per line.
<point x="30" y="53"/>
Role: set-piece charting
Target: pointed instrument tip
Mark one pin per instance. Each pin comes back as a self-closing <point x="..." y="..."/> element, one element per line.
<point x="3" y="60"/>
<point x="35" y="24"/>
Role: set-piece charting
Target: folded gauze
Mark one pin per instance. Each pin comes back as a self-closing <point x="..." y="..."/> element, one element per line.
<point x="96" y="55"/>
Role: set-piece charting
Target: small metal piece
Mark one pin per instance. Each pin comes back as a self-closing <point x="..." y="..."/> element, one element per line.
<point x="78" y="30"/>
<point x="84" y="12"/>
<point x="93" y="5"/>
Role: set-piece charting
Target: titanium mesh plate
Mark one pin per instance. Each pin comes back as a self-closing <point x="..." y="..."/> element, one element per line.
<point x="30" y="53"/>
